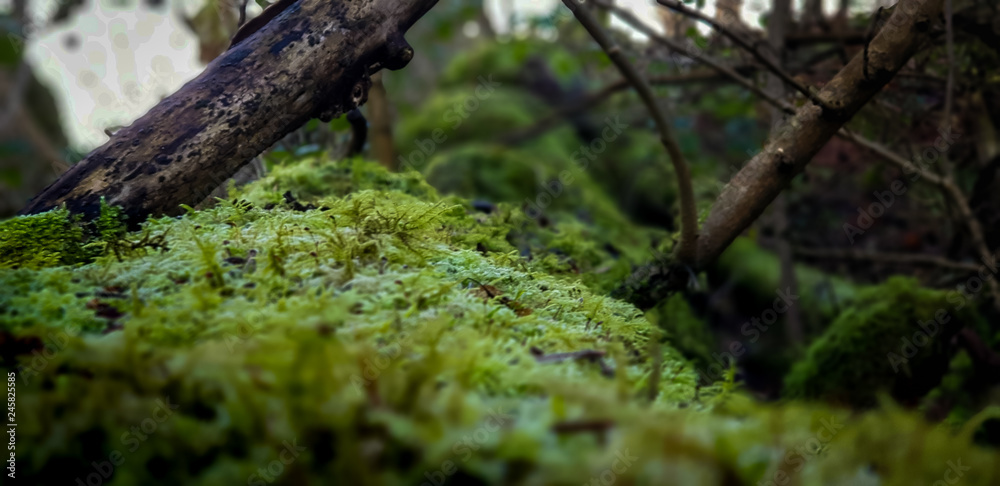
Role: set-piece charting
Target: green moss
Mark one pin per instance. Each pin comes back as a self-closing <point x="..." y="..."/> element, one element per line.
<point x="58" y="238"/>
<point x="42" y="240"/>
<point x="378" y="334"/>
<point x="879" y="345"/>
<point x="686" y="332"/>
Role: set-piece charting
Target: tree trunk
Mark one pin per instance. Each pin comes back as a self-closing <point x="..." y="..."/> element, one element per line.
<point x="313" y="60"/>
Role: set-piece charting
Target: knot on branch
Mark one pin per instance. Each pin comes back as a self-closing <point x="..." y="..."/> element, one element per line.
<point x="395" y="55"/>
<point x="356" y="96"/>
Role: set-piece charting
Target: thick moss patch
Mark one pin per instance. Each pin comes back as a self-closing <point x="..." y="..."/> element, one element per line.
<point x="382" y="334"/>
<point x="894" y="340"/>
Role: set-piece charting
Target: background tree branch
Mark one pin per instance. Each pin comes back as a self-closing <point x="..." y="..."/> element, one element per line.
<point x="793" y="145"/>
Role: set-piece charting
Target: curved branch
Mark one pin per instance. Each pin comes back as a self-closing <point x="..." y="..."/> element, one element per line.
<point x="686" y="249"/>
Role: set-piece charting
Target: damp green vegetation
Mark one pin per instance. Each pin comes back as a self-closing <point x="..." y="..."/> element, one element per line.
<point x="59" y="238"/>
<point x="336" y="320"/>
<point x="895" y="339"/>
<point x="757" y="272"/>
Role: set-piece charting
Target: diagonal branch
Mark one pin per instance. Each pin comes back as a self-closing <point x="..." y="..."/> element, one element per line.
<point x="311" y="60"/>
<point x="686" y="249"/>
<point x="794" y="144"/>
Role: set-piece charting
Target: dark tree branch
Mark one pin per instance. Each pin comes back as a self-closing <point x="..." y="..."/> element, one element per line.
<point x="312" y="60"/>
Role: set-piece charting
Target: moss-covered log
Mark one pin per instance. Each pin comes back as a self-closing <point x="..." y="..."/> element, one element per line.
<point x="312" y="60"/>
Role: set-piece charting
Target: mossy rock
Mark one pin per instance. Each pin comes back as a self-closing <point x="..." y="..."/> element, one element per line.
<point x="366" y="338"/>
<point x="895" y="339"/>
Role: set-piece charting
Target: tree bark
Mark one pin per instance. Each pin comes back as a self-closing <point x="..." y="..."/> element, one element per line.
<point x="311" y="61"/>
<point x="793" y="145"/>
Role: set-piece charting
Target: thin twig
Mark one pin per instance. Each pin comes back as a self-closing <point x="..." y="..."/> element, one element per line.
<point x="951" y="190"/>
<point x="243" y="13"/>
<point x="765" y="60"/>
<point x="689" y="217"/>
<point x="708" y="61"/>
<point x="556" y="117"/>
<point x="893" y="158"/>
<point x="949" y="95"/>
<point x="883" y="257"/>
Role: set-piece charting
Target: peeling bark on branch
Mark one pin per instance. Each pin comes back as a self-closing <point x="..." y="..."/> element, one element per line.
<point x="313" y="60"/>
<point x="794" y="144"/>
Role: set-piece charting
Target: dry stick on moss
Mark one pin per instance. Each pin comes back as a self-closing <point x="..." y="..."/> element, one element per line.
<point x="686" y="249"/>
<point x="312" y="60"/>
<point x="765" y="60"/>
<point x="951" y="190"/>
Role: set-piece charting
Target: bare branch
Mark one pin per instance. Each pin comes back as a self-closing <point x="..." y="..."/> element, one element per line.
<point x="689" y="218"/>
<point x="792" y="147"/>
<point x="888" y="258"/>
<point x="738" y="40"/>
<point x="637" y="24"/>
